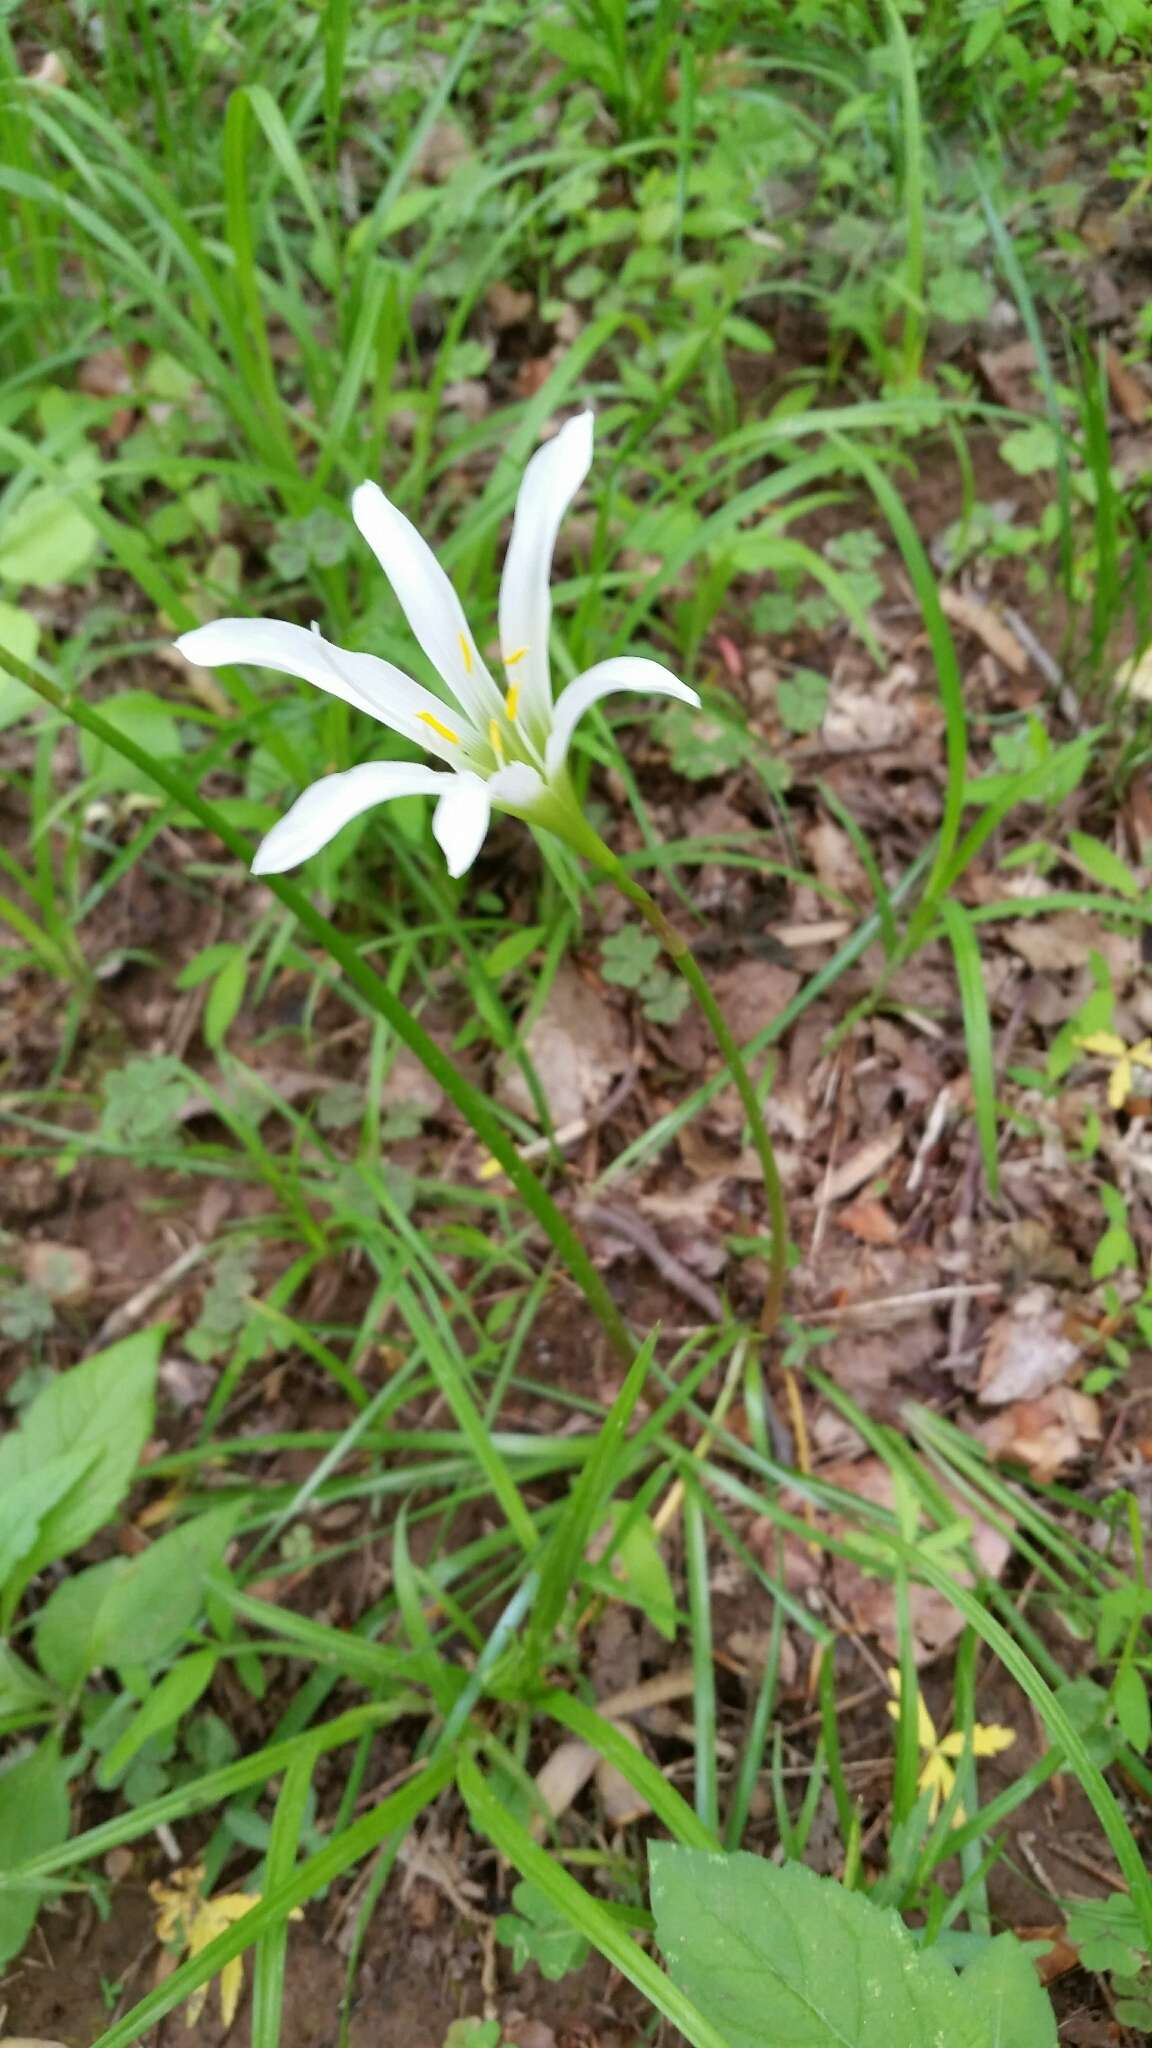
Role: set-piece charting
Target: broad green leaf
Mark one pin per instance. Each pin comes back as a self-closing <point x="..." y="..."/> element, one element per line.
<point x="146" y="720"/>
<point x="21" y="1689"/>
<point x="47" y="539"/>
<point x="33" y="1819"/>
<point x="19" y="635"/>
<point x="778" y="1955"/>
<point x="224" y="999"/>
<point x="1002" y="1983"/>
<point x="639" y="1566"/>
<point x="25" y="1503"/>
<point x="132" y="1610"/>
<point x="68" y="1640"/>
<point x="1102" y="864"/>
<point x="178" y="1690"/>
<point x="102" y="1407"/>
<point x="1030" y="449"/>
<point x="1130" y="1700"/>
<point x="513" y="950"/>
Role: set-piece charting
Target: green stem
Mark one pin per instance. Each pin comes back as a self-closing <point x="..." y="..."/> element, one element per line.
<point x="680" y="954"/>
<point x="471" y="1103"/>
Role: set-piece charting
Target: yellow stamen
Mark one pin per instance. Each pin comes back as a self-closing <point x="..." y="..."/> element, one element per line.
<point x="497" y="742"/>
<point x="512" y="700"/>
<point x="510" y="660"/>
<point x="466" y="651"/>
<point x="445" y="731"/>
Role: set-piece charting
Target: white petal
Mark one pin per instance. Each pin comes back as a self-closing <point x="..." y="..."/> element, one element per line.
<point x="429" y="602"/>
<point x="325" y="806"/>
<point x="372" y="685"/>
<point x="548" y="487"/>
<point x="516" y="787"/>
<point x="623" y="672"/>
<point x="460" y="821"/>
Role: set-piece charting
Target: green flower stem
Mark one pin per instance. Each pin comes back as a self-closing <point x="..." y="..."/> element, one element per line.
<point x="471" y="1103"/>
<point x="680" y="954"/>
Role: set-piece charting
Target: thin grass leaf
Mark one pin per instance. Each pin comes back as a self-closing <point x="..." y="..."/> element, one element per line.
<point x="977" y="1033"/>
<point x="288" y="1822"/>
<point x="582" y="1911"/>
<point x="394" y="1814"/>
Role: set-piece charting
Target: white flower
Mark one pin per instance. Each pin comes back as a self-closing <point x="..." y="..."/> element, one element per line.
<point x="504" y="749"/>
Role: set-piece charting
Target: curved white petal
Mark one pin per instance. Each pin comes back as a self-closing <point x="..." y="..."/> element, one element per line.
<point x="428" y="600"/>
<point x="460" y="821"/>
<point x="516" y="787"/>
<point x="325" y="806"/>
<point x="623" y="672"/>
<point x="372" y="685"/>
<point x="548" y="487"/>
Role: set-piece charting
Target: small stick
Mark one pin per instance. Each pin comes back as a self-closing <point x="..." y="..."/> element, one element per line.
<point x="672" y="1269"/>
<point x="145" y="1298"/>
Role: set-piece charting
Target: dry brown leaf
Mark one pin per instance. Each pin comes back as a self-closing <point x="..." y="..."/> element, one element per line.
<point x="1135" y="676"/>
<point x="1011" y="375"/>
<point x="562" y="1777"/>
<point x="51" y="70"/>
<point x="508" y="307"/>
<point x="623" y="1804"/>
<point x="1028" y="1350"/>
<point x="64" y="1272"/>
<point x="409" y="1082"/>
<point x="1053" y="944"/>
<point x="106" y="373"/>
<point x="868" y="1219"/>
<point x="863" y="1164"/>
<point x="834" y="858"/>
<point x="870" y="1602"/>
<point x="883" y="714"/>
<point x="982" y="621"/>
<point x="442" y="150"/>
<point x="751" y="993"/>
<point x="1128" y="389"/>
<point x="577" y="1046"/>
<point x="1046" y="1434"/>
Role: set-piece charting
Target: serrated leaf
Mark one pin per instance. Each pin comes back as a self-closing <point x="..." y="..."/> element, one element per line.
<point x="33" y="1819"/>
<point x="628" y="956"/>
<point x="1031" y="449"/>
<point x="102" y="1407"/>
<point x="143" y="1100"/>
<point x="1003" y="1983"/>
<point x="777" y="1954"/>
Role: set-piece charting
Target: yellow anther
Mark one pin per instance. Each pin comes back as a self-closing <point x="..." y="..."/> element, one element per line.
<point x="512" y="700"/>
<point x="496" y="739"/>
<point x="510" y="660"/>
<point x="445" y="731"/>
<point x="466" y="651"/>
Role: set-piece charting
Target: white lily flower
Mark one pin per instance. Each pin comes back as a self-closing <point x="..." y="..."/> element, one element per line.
<point x="504" y="749"/>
